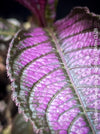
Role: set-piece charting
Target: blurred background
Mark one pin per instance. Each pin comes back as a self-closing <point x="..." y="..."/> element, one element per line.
<point x="10" y="121"/>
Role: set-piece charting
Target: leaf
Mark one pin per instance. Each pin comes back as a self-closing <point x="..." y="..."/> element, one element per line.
<point x="20" y="126"/>
<point x="55" y="77"/>
<point x="44" y="10"/>
<point x="8" y="28"/>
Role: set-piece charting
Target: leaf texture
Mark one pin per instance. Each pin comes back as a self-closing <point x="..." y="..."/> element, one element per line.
<point x="54" y="80"/>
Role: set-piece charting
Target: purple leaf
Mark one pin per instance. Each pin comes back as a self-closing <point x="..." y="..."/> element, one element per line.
<point x="55" y="74"/>
<point x="37" y="7"/>
<point x="44" y="10"/>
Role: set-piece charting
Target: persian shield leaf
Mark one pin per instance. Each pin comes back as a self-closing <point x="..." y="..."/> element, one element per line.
<point x="55" y="74"/>
<point x="44" y="10"/>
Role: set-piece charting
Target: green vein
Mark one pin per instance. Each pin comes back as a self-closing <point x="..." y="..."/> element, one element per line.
<point x="81" y="32"/>
<point x="75" y="106"/>
<point x="69" y="128"/>
<point x="56" y="41"/>
<point x="22" y="70"/>
<point x="73" y="98"/>
<point x="80" y="49"/>
<point x="79" y="19"/>
<point x="19" y="52"/>
<point x="36" y="84"/>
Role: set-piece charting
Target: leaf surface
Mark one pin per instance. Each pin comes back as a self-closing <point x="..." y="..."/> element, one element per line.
<point x="54" y="80"/>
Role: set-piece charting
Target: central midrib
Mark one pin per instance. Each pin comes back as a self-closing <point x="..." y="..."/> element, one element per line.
<point x="55" y="40"/>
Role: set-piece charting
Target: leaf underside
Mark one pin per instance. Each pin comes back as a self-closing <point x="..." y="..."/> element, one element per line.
<point x="53" y="75"/>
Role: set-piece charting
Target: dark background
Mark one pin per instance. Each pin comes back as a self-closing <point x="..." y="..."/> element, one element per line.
<point x="11" y="8"/>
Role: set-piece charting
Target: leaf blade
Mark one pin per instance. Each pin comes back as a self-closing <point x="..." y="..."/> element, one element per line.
<point x="50" y="87"/>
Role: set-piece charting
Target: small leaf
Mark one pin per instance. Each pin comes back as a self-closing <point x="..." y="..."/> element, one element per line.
<point x="54" y="80"/>
<point x="8" y="28"/>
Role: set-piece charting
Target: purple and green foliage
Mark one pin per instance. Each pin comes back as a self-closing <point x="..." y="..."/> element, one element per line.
<point x="55" y="71"/>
